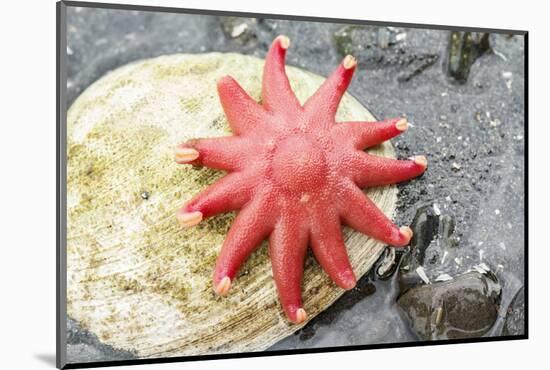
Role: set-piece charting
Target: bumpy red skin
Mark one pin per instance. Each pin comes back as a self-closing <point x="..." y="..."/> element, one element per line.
<point x="295" y="175"/>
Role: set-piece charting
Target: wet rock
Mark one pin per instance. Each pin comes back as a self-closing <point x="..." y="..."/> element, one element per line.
<point x="515" y="315"/>
<point x="447" y="228"/>
<point x="425" y="226"/>
<point x="432" y="249"/>
<point x="442" y="248"/>
<point x="464" y="307"/>
<point x="243" y="30"/>
<point x="464" y="48"/>
<point x="428" y="226"/>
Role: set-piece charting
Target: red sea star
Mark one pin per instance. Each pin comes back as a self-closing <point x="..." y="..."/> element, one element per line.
<point x="295" y="175"/>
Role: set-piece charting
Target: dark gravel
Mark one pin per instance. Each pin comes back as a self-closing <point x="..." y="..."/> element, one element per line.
<point x="471" y="131"/>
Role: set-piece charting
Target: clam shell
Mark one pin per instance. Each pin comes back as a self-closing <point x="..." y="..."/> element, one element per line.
<point x="135" y="278"/>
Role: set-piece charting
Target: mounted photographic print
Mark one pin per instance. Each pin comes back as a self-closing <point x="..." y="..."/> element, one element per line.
<point x="234" y="184"/>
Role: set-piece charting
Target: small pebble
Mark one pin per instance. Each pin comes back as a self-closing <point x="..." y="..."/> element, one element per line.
<point x="444" y="256"/>
<point x="420" y="271"/>
<point x="500" y="55"/>
<point x="509" y="84"/>
<point x="444" y="277"/>
<point x="400" y="36"/>
<point x="494" y="123"/>
<point x="239" y="30"/>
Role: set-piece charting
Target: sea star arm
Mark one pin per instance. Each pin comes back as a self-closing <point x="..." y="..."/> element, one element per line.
<point x="227" y="194"/>
<point x="359" y="212"/>
<point x="330" y="251"/>
<point x="251" y="226"/>
<point x="243" y="113"/>
<point x="364" y="135"/>
<point x="287" y="248"/>
<point x="277" y="95"/>
<point x="323" y="104"/>
<point x="370" y="170"/>
<point x="222" y="153"/>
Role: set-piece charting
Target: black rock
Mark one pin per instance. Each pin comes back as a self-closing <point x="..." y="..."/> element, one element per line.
<point x="464" y="307"/>
<point x="432" y="249"/>
<point x="425" y="228"/>
<point x="464" y="49"/>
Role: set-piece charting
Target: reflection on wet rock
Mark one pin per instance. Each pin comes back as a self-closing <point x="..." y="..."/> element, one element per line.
<point x="463" y="307"/>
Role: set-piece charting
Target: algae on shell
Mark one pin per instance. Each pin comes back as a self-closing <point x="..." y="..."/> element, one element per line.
<point x="135" y="278"/>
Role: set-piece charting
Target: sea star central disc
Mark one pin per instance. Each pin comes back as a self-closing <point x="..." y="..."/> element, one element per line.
<point x="295" y="175"/>
<point x="298" y="171"/>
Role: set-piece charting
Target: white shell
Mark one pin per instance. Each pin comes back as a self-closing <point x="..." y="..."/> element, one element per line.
<point x="135" y="278"/>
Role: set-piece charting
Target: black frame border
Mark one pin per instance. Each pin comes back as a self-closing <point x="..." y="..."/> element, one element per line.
<point x="61" y="184"/>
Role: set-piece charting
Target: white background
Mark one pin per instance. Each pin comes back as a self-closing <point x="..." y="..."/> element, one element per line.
<point x="27" y="182"/>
